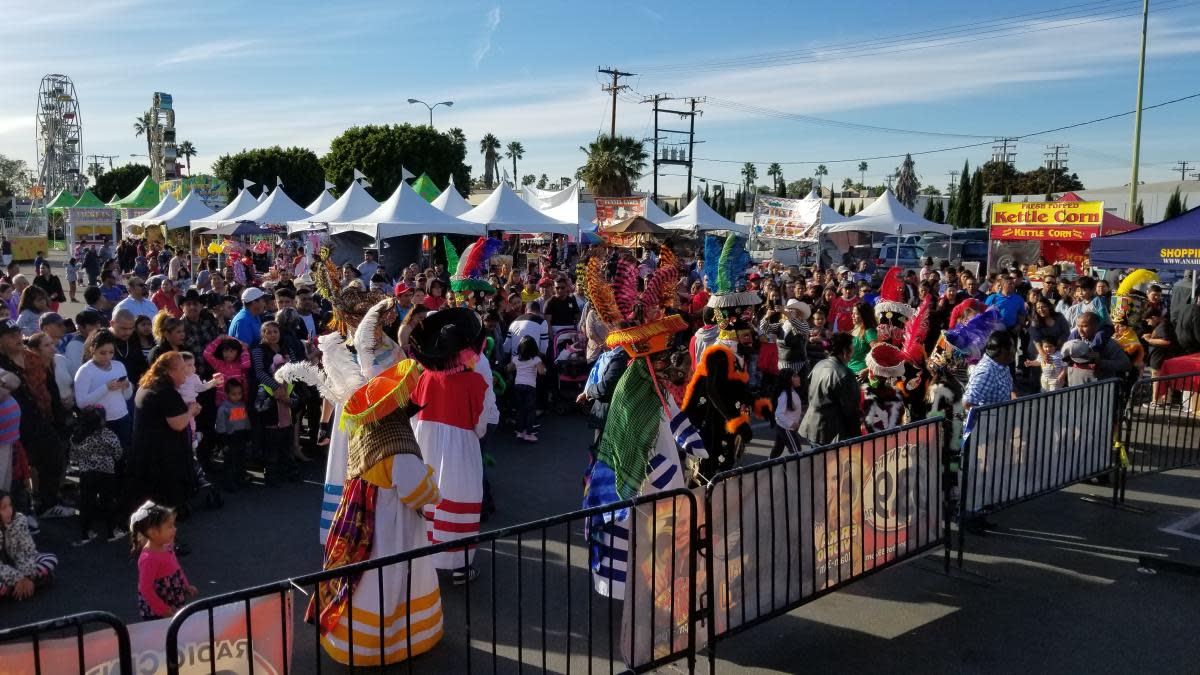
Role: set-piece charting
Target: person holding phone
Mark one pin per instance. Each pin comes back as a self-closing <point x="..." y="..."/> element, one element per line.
<point x="102" y="381"/>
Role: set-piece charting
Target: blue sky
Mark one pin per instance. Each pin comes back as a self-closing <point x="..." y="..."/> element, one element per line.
<point x="297" y="73"/>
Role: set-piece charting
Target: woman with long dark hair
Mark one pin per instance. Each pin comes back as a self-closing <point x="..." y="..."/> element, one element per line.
<point x="161" y="462"/>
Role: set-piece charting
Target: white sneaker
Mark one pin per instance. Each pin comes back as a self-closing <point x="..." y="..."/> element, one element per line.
<point x="32" y="522"/>
<point x="59" y="511"/>
<point x="91" y="536"/>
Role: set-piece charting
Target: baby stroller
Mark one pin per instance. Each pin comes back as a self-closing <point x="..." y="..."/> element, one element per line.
<point x="568" y="351"/>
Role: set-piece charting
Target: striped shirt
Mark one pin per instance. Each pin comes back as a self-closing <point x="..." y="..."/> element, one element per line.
<point x="10" y="421"/>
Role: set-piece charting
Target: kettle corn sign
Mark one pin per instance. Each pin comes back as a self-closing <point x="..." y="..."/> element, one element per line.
<point x="1046" y="220"/>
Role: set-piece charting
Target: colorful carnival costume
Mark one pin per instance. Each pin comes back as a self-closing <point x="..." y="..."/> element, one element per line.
<point x="1128" y="311"/>
<point x="381" y="514"/>
<point x="454" y="400"/>
<point x="892" y="311"/>
<point x="644" y="432"/>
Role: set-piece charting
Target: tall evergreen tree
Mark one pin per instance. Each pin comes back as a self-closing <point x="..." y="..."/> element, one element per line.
<point x="1176" y="205"/>
<point x="1139" y="214"/>
<point x="962" y="204"/>
<point x="831" y="196"/>
<point x="928" y="215"/>
<point x="939" y="213"/>
<point x="977" y="199"/>
<point x="853" y="209"/>
<point x="842" y="208"/>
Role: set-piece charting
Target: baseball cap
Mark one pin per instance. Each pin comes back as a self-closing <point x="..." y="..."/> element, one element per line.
<point x="401" y="289"/>
<point x="251" y="294"/>
<point x="50" y="318"/>
<point x="9" y="326"/>
<point x="842" y="269"/>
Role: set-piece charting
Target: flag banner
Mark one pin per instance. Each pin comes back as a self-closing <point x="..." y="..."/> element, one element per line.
<point x="328" y="185"/>
<point x="246" y="183"/>
<point x="1028" y="446"/>
<point x="788" y="531"/>
<point x="229" y="651"/>
<point x="612" y="210"/>
<point x="654" y="619"/>
<point x="783" y="218"/>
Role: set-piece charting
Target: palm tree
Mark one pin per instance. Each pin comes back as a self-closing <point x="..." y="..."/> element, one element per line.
<point x="848" y="184"/>
<point x="862" y="174"/>
<point x="187" y="151"/>
<point x="775" y="172"/>
<point x="750" y="173"/>
<point x="514" y="151"/>
<point x="142" y="126"/>
<point x="821" y="171"/>
<point x="613" y="165"/>
<point x="488" y="145"/>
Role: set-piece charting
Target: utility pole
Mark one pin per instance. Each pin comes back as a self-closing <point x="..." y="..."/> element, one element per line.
<point x="1183" y="167"/>
<point x="1137" y="115"/>
<point x="1001" y="154"/>
<point x="953" y="181"/>
<point x="1053" y="163"/>
<point x="680" y="158"/>
<point x="613" y="89"/>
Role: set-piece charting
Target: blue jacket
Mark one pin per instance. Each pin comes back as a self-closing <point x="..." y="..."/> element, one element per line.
<point x="246" y="327"/>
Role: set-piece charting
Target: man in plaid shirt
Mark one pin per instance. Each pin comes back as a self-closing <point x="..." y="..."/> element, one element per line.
<point x="991" y="380"/>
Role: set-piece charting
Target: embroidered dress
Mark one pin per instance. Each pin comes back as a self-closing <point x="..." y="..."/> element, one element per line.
<point x="162" y="585"/>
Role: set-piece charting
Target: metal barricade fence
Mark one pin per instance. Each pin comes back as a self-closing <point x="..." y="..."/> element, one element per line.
<point x="532" y="606"/>
<point x="1161" y="426"/>
<point x="53" y="650"/>
<point x="787" y="531"/>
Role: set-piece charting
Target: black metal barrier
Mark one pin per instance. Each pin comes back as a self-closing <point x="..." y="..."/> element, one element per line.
<point x="787" y="531"/>
<point x="1161" y="428"/>
<point x="61" y="646"/>
<point x="532" y="606"/>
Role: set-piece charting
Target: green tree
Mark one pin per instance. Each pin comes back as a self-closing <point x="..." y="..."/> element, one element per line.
<point x="799" y="188"/>
<point x="142" y="126"/>
<point x="929" y="211"/>
<point x="831" y="198"/>
<point x="907" y="182"/>
<point x="457" y="136"/>
<point x="862" y="174"/>
<point x="378" y="150"/>
<point x="841" y="209"/>
<point x="14" y="177"/>
<point x="187" y="151"/>
<point x="120" y="181"/>
<point x="852" y="210"/>
<point x="299" y="169"/>
<point x="1139" y="214"/>
<point x="977" y="199"/>
<point x="488" y="146"/>
<point x="514" y="151"/>
<point x="775" y="171"/>
<point x="930" y="190"/>
<point x="543" y="181"/>
<point x="528" y="179"/>
<point x="821" y="171"/>
<point x="613" y="165"/>
<point x="1000" y="178"/>
<point x="961" y="213"/>
<point x="749" y="175"/>
<point x="939" y="213"/>
<point x="847" y="184"/>
<point x="1176" y="205"/>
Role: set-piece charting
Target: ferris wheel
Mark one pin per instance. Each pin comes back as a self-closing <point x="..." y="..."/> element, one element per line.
<point x="59" y="137"/>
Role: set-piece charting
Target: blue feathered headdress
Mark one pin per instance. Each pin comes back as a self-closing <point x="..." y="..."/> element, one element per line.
<point x="725" y="266"/>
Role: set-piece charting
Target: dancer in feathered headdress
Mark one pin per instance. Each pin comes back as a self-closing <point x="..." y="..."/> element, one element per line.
<point x="1128" y="311"/>
<point x="644" y="432"/>
<point x="892" y="310"/>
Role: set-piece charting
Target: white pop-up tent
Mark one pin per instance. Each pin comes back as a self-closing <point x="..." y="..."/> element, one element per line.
<point x="828" y="215"/>
<point x="655" y="214"/>
<point x="504" y="210"/>
<point x="322" y="202"/>
<point x="276" y="209"/>
<point x="152" y="216"/>
<point x="451" y="202"/>
<point x="354" y="203"/>
<point x="242" y="203"/>
<point x="191" y="208"/>
<point x="886" y="215"/>
<point x="700" y="217"/>
<point x="405" y="213"/>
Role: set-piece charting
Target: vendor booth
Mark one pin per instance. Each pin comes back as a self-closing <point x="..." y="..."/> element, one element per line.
<point x="1060" y="231"/>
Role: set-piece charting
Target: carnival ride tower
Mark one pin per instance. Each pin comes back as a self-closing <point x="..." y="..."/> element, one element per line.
<point x="59" y="138"/>
<point x="163" y="152"/>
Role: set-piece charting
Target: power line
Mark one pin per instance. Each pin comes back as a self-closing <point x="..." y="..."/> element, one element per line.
<point x="960" y="147"/>
<point x="1184" y="165"/>
<point x="614" y="88"/>
<point x="822" y="121"/>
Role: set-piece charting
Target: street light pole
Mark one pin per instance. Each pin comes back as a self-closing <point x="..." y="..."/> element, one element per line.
<point x="431" y="107"/>
<point x="1137" y="116"/>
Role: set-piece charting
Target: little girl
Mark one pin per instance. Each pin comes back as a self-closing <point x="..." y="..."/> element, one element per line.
<point x="788" y="413"/>
<point x="102" y="381"/>
<point x="1054" y="372"/>
<point x="22" y="569"/>
<point x="818" y="336"/>
<point x="193" y="386"/>
<point x="95" y="449"/>
<point x="229" y="357"/>
<point x="527" y="364"/>
<point x="72" y="277"/>
<point x="162" y="586"/>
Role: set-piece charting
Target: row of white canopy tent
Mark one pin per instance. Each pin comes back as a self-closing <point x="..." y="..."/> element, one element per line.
<point x="886" y="215"/>
<point x="694" y="218"/>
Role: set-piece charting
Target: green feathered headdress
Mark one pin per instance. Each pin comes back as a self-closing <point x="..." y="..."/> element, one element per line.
<point x="724" y="268"/>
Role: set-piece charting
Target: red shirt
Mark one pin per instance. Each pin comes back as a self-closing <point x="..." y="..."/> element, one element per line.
<point x="841" y="314"/>
<point x="699" y="301"/>
<point x="163" y="301"/>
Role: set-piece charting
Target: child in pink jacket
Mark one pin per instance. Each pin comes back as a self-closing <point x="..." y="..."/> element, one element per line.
<point x="229" y="357"/>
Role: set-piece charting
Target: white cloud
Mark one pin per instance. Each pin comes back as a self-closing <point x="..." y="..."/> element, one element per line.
<point x="485" y="44"/>
<point x="206" y="51"/>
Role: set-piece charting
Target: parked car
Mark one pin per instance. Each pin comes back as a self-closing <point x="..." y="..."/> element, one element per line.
<point x="904" y="256"/>
<point x="958" y="252"/>
<point x="901" y="239"/>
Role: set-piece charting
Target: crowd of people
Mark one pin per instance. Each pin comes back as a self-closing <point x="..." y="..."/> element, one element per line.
<point x="176" y="384"/>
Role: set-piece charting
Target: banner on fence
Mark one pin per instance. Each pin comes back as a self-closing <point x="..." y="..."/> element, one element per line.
<point x="790" y="530"/>
<point x="1031" y="445"/>
<point x="783" y="218"/>
<point x="226" y="653"/>
<point x="655" y="616"/>
<point x="612" y="210"/>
